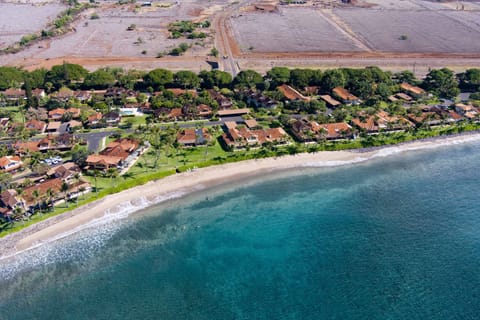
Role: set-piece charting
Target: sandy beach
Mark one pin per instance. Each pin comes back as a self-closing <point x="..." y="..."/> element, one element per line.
<point x="200" y="179"/>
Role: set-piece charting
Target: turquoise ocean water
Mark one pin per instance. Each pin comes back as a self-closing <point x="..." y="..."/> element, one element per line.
<point x="392" y="238"/>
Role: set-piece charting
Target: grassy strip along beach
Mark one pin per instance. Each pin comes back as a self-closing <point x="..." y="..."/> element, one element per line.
<point x="179" y="184"/>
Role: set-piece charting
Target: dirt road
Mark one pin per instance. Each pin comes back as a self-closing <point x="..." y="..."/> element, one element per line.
<point x="232" y="59"/>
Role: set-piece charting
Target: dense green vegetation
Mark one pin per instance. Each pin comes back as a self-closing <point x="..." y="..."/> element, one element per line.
<point x="371" y="84"/>
<point x="212" y="88"/>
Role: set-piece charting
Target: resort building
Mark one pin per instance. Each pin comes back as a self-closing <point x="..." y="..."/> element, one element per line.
<point x="36" y="125"/>
<point x="414" y="91"/>
<point x="346" y="97"/>
<point x="308" y="131"/>
<point x="191" y="137"/>
<point x="332" y="103"/>
<point x="241" y="137"/>
<point x="9" y="201"/>
<point x="292" y="94"/>
<point x="117" y="154"/>
<point x="10" y="163"/>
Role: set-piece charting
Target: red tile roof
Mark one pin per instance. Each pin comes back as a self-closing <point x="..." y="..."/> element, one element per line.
<point x="35" y="125"/>
<point x="14" y="161"/>
<point x="42" y="188"/>
<point x="367" y="124"/>
<point x="344" y="94"/>
<point x="328" y="99"/>
<point x="413" y="89"/>
<point x="104" y="160"/>
<point x="233" y="112"/>
<point x="292" y="94"/>
<point x="336" y="130"/>
<point x="251" y="123"/>
<point x="121" y="148"/>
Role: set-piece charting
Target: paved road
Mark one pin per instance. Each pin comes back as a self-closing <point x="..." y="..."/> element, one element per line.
<point x="227" y="62"/>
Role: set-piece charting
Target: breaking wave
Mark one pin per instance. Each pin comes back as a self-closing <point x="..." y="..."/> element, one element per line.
<point x="81" y="242"/>
<point x="386" y="151"/>
<point x="86" y="240"/>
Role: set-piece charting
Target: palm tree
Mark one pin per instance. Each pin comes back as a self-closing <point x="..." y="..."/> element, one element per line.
<point x="76" y="176"/>
<point x="19" y="194"/>
<point x="64" y="189"/>
<point x="112" y="173"/>
<point x="50" y="196"/>
<point x="210" y="141"/>
<point x="95" y="175"/>
<point x="35" y="195"/>
<point x="18" y="213"/>
<point x="34" y="160"/>
<point x="5" y="180"/>
<point x="155" y="142"/>
<point x="81" y="190"/>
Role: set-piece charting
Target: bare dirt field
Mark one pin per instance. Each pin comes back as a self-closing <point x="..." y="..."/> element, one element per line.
<point x="312" y="35"/>
<point x="107" y="36"/>
<point x="425" y="30"/>
<point x="419" y="65"/>
<point x="289" y="30"/>
<point x="405" y="26"/>
<point x="19" y="19"/>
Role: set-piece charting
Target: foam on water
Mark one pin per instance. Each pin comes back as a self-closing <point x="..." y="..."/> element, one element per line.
<point x="81" y="242"/>
<point x="397" y="149"/>
<point x="394" y="238"/>
<point x="85" y="240"/>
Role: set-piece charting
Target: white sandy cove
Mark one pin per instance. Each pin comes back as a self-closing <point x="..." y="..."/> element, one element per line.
<point x="176" y="185"/>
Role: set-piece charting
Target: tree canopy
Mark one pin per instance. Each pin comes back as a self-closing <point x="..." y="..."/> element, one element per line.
<point x="333" y="78"/>
<point x="37" y="78"/>
<point x="99" y="79"/>
<point x="158" y="78"/>
<point x="442" y="82"/>
<point x="10" y="77"/>
<point x="64" y="74"/>
<point x="470" y="80"/>
<point x="300" y="78"/>
<point x="186" y="79"/>
<point x="215" y="78"/>
<point x="248" y="79"/>
<point x="278" y="75"/>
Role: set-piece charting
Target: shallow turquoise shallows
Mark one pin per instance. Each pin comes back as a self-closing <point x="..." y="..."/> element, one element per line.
<point x="393" y="238"/>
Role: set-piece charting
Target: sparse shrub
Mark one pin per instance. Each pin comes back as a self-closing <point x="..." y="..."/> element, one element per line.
<point x="176" y="52"/>
<point x="183" y="46"/>
<point x="214" y="52"/>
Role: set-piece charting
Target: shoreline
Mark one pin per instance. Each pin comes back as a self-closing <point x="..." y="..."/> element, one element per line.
<point x="178" y="185"/>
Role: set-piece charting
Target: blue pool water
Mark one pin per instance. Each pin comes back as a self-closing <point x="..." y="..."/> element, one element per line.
<point x="392" y="238"/>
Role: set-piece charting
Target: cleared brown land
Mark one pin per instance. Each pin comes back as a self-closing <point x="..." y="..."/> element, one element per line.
<point x="289" y="30"/>
<point x="108" y="35"/>
<point x="425" y="31"/>
<point x="19" y="19"/>
<point x="305" y="37"/>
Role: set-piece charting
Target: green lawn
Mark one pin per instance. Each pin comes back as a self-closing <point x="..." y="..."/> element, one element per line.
<point x="186" y="158"/>
<point x="134" y="121"/>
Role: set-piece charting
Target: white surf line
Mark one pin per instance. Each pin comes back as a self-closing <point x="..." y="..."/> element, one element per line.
<point x="415" y="145"/>
<point x="129" y="207"/>
<point x="119" y="212"/>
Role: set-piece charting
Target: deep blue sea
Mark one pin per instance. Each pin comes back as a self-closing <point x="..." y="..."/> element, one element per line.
<point x="392" y="238"/>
